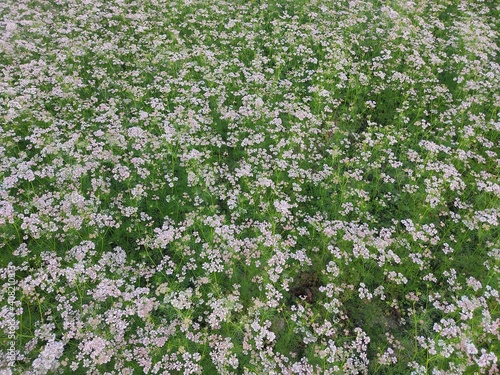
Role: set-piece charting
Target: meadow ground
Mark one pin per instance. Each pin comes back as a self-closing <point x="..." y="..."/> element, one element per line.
<point x="249" y="187"/>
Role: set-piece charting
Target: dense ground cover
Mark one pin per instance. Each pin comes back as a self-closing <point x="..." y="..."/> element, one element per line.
<point x="202" y="187"/>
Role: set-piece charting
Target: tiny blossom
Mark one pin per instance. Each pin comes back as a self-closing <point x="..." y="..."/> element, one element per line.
<point x="48" y="358"/>
<point x="181" y="300"/>
<point x="363" y="292"/>
<point x="283" y="207"/>
<point x="387" y="357"/>
<point x="474" y="284"/>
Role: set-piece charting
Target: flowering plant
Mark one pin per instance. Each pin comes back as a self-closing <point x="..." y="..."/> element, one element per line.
<point x="202" y="187"/>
